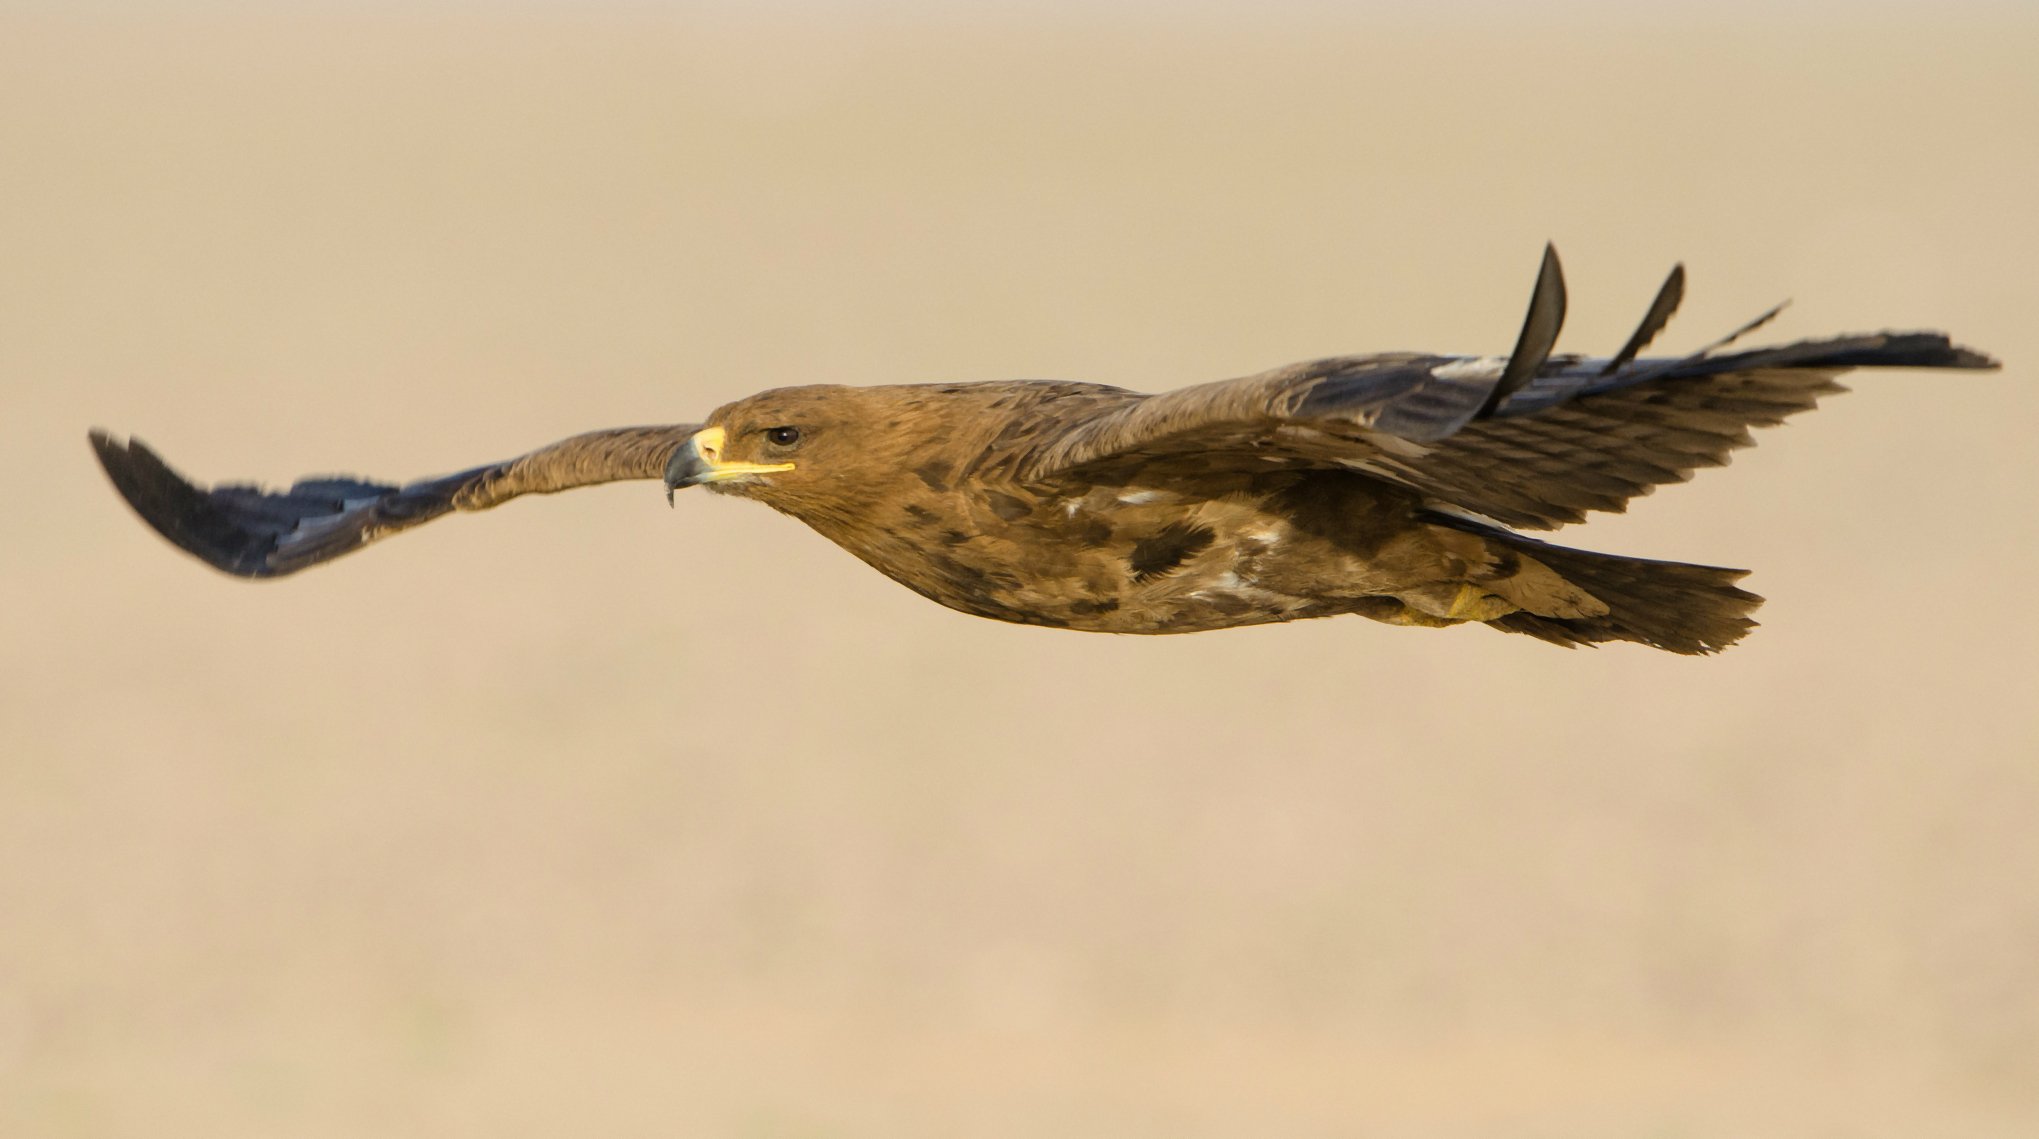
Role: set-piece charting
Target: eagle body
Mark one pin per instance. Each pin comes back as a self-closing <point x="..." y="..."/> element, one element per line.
<point x="1159" y="545"/>
<point x="1165" y="554"/>
<point x="1154" y="555"/>
<point x="1393" y="486"/>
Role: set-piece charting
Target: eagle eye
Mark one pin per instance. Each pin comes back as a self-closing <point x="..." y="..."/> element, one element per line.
<point x="782" y="436"/>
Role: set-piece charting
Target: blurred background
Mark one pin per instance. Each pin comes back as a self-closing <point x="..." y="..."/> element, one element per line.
<point x="587" y="816"/>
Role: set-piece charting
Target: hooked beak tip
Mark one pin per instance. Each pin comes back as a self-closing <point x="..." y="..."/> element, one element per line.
<point x="685" y="468"/>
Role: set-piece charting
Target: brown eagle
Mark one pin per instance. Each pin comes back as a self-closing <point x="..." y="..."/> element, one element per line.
<point x="1381" y="485"/>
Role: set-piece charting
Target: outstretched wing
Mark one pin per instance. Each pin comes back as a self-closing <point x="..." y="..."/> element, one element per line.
<point x="1529" y="440"/>
<point x="251" y="532"/>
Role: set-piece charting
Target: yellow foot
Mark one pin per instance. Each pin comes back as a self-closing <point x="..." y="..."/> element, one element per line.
<point x="1410" y="615"/>
<point x="1475" y="604"/>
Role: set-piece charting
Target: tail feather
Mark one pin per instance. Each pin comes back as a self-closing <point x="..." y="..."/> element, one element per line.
<point x="1675" y="606"/>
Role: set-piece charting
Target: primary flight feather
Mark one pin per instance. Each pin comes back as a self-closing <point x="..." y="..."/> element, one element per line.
<point x="1381" y="485"/>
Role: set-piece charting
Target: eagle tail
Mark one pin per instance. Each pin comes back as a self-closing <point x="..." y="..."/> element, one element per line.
<point x="1675" y="606"/>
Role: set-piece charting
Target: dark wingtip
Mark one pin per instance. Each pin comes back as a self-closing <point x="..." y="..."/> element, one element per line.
<point x="111" y="453"/>
<point x="156" y="492"/>
<point x="1540" y="328"/>
<point x="1960" y="357"/>
<point x="1873" y="350"/>
<point x="1926" y="350"/>
<point x="175" y="507"/>
<point x="1665" y="306"/>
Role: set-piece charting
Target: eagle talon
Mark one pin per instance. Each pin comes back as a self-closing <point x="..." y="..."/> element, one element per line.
<point x="1475" y="604"/>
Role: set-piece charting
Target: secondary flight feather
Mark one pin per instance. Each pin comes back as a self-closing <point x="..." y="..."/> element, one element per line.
<point x="1387" y="485"/>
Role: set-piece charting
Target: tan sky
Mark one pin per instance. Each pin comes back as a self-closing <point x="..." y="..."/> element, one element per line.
<point x="594" y="817"/>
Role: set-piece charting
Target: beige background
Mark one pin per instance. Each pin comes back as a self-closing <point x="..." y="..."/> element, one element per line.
<point x="589" y="817"/>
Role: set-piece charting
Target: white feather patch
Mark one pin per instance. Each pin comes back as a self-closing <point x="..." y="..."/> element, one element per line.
<point x="1472" y="368"/>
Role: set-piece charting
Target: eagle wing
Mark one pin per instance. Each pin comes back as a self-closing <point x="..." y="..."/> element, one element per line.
<point x="251" y="532"/>
<point x="1529" y="440"/>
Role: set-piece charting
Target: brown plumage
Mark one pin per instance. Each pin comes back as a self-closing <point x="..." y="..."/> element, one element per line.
<point x="1379" y="485"/>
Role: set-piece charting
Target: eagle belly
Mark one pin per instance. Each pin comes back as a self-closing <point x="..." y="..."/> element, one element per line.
<point x="1152" y="559"/>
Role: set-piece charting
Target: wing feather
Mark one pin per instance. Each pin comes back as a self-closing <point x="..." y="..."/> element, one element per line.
<point x="1539" y="334"/>
<point x="251" y="532"/>
<point x="1669" y="296"/>
<point x="1477" y="435"/>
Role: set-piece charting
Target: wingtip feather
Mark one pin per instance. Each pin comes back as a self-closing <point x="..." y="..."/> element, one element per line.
<point x="1662" y="308"/>
<point x="1540" y="328"/>
<point x="175" y="507"/>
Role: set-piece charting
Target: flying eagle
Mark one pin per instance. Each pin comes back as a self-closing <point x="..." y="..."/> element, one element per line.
<point x="1382" y="485"/>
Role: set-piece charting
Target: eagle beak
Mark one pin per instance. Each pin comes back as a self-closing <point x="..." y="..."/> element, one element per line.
<point x="699" y="460"/>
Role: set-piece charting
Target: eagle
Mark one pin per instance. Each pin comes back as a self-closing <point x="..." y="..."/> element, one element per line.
<point x="1392" y="485"/>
